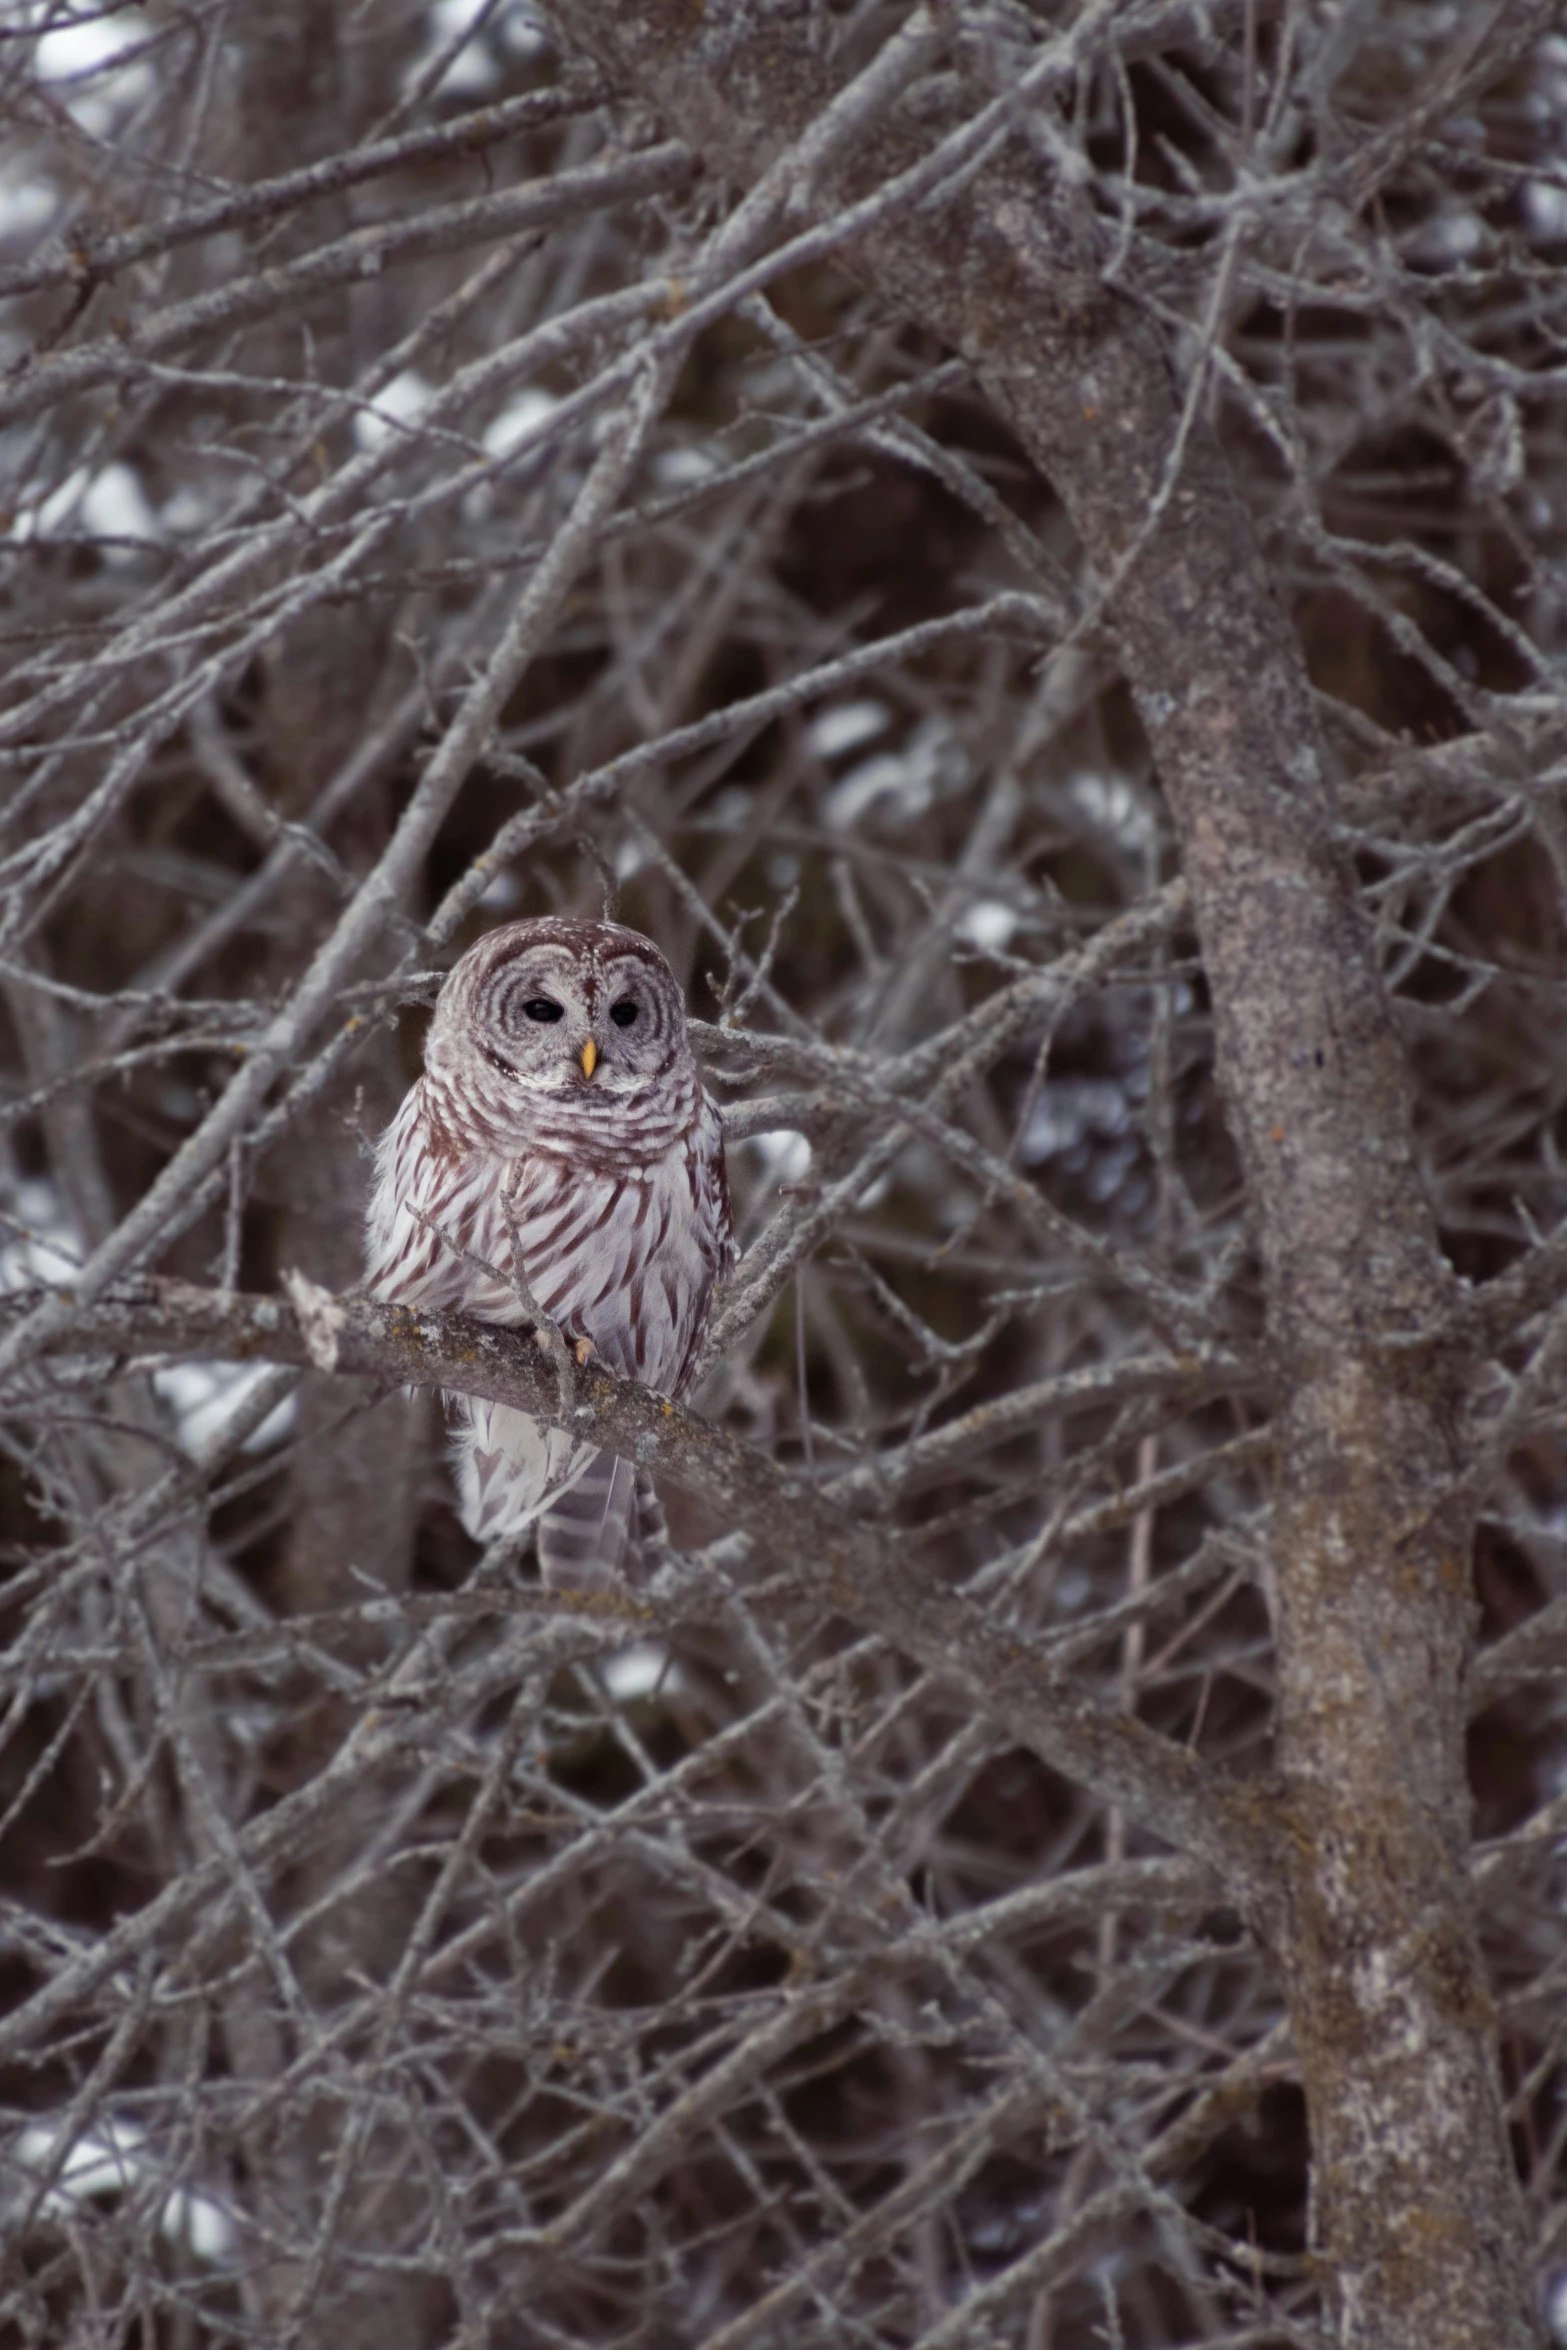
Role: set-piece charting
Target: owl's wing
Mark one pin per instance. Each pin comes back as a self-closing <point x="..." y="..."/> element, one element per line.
<point x="710" y="1188"/>
<point x="426" y="1194"/>
<point x="712" y="1228"/>
<point x="429" y="1195"/>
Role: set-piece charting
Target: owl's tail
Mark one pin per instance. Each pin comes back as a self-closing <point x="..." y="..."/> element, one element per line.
<point x="595" y="1515"/>
<point x="608" y="1522"/>
<point x="510" y="1469"/>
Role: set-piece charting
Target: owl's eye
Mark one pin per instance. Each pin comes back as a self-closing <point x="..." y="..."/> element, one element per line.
<point x="623" y="1014"/>
<point x="542" y="1009"/>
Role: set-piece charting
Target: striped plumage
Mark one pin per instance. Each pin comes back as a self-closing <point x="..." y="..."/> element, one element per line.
<point x="558" y="1075"/>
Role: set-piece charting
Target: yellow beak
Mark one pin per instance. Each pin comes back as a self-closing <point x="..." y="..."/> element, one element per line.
<point x="590" y="1056"/>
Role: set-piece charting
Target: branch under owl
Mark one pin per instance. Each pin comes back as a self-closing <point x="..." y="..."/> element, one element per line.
<point x="805" y="1551"/>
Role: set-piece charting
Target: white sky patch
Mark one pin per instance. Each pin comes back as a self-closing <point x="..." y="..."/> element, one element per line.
<point x="27" y="206"/>
<point x="907" y="780"/>
<point x="843" y="726"/>
<point x="1110" y="804"/>
<point x="638" y="1671"/>
<point x="108" y="504"/>
<point x="1070" y="1111"/>
<point x="116" y="506"/>
<point x="514" y="31"/>
<point x="772" y="383"/>
<point x="521" y="30"/>
<point x="1074" y="1588"/>
<point x="676" y="469"/>
<point x="785" y="1157"/>
<point x="473" y="70"/>
<point x="1556" y="2306"/>
<point x="522" y="415"/>
<point x="77" y="62"/>
<point x="987" y="923"/>
<point x="1545" y="202"/>
<point x="45" y="1249"/>
<point x="185" y="511"/>
<point x="202" y="1395"/>
<point x="112" y="2159"/>
<point x="728" y="812"/>
<point x="502" y="891"/>
<point x="1454" y="235"/>
<point x="398" y="404"/>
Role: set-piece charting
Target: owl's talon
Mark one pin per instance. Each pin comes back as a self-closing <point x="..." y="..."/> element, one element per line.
<point x="582" y="1348"/>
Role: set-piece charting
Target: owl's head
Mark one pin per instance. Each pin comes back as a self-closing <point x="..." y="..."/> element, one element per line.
<point x="582" y="1011"/>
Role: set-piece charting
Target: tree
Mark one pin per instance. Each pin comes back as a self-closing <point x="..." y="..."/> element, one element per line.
<point x="1023" y="545"/>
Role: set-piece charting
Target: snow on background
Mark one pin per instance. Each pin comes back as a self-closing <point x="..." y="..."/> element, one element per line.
<point x="112" y="2159"/>
<point x="40" y="1248"/>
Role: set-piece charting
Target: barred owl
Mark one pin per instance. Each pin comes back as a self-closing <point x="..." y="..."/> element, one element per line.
<point x="560" y="1103"/>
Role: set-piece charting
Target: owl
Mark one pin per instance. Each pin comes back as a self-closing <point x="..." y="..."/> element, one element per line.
<point x="559" y="1131"/>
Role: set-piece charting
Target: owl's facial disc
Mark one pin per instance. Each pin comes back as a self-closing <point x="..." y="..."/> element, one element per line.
<point x="551" y="1019"/>
<point x="637" y="1023"/>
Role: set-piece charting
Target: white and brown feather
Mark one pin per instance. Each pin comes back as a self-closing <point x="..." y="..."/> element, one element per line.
<point x="617" y="1198"/>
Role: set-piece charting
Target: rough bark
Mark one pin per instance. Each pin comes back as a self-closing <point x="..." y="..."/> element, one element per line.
<point x="1417" y="2216"/>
